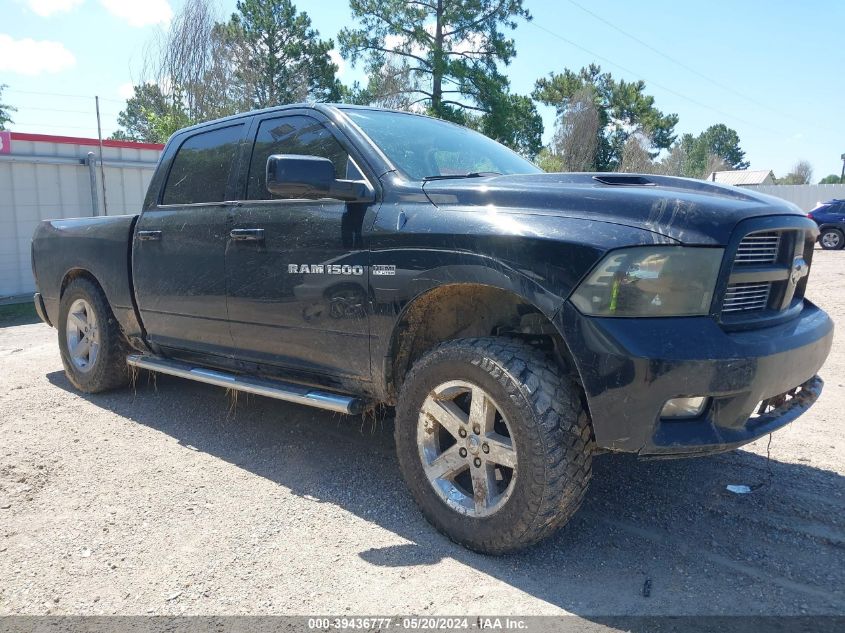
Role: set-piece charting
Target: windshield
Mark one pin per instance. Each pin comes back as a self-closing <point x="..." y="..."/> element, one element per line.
<point x="422" y="147"/>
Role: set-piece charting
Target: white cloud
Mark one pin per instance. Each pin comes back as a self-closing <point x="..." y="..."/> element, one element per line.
<point x="33" y="57"/>
<point x="140" y="12"/>
<point x="126" y="91"/>
<point x="46" y="8"/>
<point x="338" y="61"/>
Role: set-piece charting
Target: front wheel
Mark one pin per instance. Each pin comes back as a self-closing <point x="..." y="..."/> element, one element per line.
<point x="831" y="239"/>
<point x="90" y="341"/>
<point x="493" y="442"/>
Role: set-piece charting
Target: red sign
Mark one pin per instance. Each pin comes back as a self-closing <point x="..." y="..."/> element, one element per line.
<point x="5" y="142"/>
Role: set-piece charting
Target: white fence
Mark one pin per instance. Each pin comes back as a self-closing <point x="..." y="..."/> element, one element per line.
<point x="805" y="196"/>
<point x="46" y="177"/>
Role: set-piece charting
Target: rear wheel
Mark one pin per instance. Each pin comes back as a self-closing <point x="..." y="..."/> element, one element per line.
<point x="831" y="239"/>
<point x="92" y="346"/>
<point x="493" y="442"/>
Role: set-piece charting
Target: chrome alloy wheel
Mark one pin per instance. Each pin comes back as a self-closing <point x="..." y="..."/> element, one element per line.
<point x="830" y="239"/>
<point x="83" y="335"/>
<point x="466" y="448"/>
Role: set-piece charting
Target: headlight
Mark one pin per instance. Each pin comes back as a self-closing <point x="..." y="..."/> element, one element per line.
<point x="651" y="281"/>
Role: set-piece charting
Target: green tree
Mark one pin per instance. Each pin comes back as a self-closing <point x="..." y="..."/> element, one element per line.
<point x="144" y="112"/>
<point x="637" y="155"/>
<point x="5" y="110"/>
<point x="715" y="149"/>
<point x="800" y="174"/>
<point x="623" y="107"/>
<point x="444" y="56"/>
<point x="832" y="179"/>
<point x="514" y="121"/>
<point x="550" y="161"/>
<point x="278" y="58"/>
<point x="722" y="142"/>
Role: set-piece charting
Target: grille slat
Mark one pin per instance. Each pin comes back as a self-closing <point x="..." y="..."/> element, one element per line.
<point x="758" y="248"/>
<point x="746" y="297"/>
<point x="763" y="256"/>
<point x="755" y="249"/>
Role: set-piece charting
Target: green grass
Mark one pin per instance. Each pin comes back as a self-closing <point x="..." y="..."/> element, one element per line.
<point x="18" y="314"/>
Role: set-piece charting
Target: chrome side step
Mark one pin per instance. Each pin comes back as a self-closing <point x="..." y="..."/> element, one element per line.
<point x="262" y="387"/>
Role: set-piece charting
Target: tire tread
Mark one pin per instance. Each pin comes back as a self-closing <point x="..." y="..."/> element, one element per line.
<point x="110" y="370"/>
<point x="564" y="448"/>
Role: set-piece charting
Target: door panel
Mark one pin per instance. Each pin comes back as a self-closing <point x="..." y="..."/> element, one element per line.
<point x="299" y="298"/>
<point x="297" y="293"/>
<point x="178" y="253"/>
<point x="180" y="280"/>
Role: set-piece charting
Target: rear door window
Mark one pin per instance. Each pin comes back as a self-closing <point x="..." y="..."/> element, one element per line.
<point x="201" y="168"/>
<point x="294" y="134"/>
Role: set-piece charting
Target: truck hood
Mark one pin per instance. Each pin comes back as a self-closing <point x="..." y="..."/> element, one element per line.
<point x="686" y="210"/>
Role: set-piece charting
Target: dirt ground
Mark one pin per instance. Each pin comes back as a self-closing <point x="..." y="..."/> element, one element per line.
<point x="166" y="500"/>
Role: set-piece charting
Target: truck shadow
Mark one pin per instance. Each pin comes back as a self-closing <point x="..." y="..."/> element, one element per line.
<point x="653" y="537"/>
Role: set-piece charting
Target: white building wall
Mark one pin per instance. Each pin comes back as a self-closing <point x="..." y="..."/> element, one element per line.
<point x="805" y="196"/>
<point x="43" y="180"/>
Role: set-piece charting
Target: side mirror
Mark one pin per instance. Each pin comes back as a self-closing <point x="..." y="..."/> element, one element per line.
<point x="312" y="178"/>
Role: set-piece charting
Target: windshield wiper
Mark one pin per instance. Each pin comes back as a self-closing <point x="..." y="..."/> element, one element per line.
<point x="472" y="174"/>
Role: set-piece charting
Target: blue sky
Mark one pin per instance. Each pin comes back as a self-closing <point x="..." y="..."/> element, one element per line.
<point x="771" y="70"/>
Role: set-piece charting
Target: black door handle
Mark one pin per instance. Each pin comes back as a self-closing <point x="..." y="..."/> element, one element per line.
<point x="149" y="235"/>
<point x="247" y="235"/>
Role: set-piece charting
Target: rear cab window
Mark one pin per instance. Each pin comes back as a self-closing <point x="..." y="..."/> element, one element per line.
<point x="202" y="166"/>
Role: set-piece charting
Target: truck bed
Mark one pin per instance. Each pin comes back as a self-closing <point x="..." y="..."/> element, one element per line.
<point x="99" y="245"/>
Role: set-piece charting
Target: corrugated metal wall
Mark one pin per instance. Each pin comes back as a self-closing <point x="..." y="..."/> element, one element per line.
<point x="42" y="180"/>
<point x="805" y="196"/>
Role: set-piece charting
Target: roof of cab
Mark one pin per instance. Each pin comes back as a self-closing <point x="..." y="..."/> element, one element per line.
<point x="292" y="106"/>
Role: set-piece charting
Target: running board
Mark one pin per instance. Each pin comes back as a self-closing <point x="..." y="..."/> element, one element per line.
<point x="262" y="387"/>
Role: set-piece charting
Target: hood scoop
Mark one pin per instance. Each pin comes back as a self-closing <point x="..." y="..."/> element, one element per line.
<point x="624" y="180"/>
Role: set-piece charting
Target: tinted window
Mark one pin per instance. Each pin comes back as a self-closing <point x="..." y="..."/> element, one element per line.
<point x="299" y="135"/>
<point x="421" y="146"/>
<point x="200" y="171"/>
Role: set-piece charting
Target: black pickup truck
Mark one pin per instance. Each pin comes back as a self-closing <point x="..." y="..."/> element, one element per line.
<point x="519" y="322"/>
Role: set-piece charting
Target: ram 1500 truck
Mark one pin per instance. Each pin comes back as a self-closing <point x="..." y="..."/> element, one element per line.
<point x="519" y="322"/>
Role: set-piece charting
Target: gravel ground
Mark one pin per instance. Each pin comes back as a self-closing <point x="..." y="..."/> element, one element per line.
<point x="167" y="499"/>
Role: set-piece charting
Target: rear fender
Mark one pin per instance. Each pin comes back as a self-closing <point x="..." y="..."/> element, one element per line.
<point x="96" y="247"/>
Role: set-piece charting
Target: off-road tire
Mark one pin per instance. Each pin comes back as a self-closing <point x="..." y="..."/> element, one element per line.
<point x="550" y="429"/>
<point x="839" y="244"/>
<point x="109" y="370"/>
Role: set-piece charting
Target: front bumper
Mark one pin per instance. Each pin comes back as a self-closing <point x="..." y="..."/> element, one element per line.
<point x="631" y="367"/>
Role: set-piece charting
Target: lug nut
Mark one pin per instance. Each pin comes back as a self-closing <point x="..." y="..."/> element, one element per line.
<point x="462" y="452"/>
<point x="462" y="432"/>
<point x="477" y="463"/>
<point x="485" y="448"/>
<point x="476" y="429"/>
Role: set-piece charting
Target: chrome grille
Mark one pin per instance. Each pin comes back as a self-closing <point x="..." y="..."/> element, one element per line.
<point x="747" y="297"/>
<point x="758" y="248"/>
<point x="766" y="276"/>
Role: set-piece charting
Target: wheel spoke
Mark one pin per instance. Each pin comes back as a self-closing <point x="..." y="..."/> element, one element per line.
<point x="78" y="320"/>
<point x="82" y="348"/>
<point x="501" y="450"/>
<point x="446" y="465"/>
<point x="470" y="474"/>
<point x="483" y="486"/>
<point x="447" y="414"/>
<point x="481" y="411"/>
